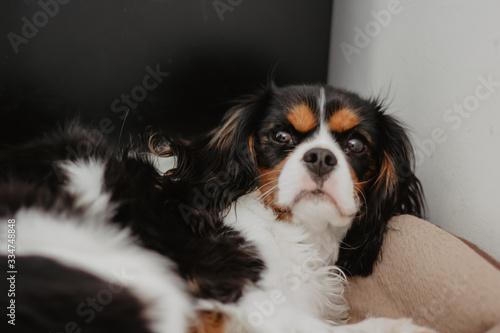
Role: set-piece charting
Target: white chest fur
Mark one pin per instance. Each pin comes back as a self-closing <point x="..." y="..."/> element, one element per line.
<point x="298" y="275"/>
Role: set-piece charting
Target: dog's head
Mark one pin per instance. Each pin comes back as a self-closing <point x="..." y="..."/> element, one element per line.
<point x="318" y="156"/>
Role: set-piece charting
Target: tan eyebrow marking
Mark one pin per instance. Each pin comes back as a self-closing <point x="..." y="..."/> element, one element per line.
<point x="343" y="120"/>
<point x="302" y="118"/>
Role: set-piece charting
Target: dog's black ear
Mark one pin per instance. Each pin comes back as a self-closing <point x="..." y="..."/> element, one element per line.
<point x="218" y="168"/>
<point x="394" y="190"/>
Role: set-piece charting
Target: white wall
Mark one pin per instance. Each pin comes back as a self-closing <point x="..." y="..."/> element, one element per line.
<point x="431" y="57"/>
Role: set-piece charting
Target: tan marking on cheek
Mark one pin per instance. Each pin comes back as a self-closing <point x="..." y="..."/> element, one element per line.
<point x="209" y="322"/>
<point x="358" y="186"/>
<point x="302" y="118"/>
<point x="353" y="175"/>
<point x="343" y="120"/>
<point x="269" y="190"/>
<point x="368" y="176"/>
<point x="269" y="187"/>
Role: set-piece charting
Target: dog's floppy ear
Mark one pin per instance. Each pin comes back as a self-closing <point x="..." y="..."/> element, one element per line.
<point x="219" y="167"/>
<point x="394" y="190"/>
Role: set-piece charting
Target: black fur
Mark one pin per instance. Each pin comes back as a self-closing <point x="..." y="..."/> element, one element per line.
<point x="233" y="169"/>
<point x="51" y="297"/>
<point x="388" y="195"/>
<point x="180" y="214"/>
<point x="220" y="168"/>
<point x="217" y="259"/>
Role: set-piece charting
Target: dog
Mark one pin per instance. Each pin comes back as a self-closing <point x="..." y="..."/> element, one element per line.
<point x="253" y="229"/>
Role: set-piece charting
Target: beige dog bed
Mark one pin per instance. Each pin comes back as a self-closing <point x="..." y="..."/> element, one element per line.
<point x="431" y="276"/>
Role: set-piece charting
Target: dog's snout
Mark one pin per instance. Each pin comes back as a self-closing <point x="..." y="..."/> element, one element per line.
<point x="319" y="161"/>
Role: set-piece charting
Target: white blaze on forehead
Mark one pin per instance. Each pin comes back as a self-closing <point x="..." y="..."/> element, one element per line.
<point x="321" y="104"/>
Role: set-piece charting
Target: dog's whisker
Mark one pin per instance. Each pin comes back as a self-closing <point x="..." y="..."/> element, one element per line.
<point x="265" y="194"/>
<point x="269" y="173"/>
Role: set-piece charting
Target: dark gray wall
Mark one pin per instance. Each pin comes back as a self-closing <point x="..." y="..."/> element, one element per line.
<point x="63" y="58"/>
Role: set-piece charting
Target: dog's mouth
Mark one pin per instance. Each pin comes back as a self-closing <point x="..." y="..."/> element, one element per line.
<point x="312" y="199"/>
<point x="319" y="196"/>
<point x="315" y="195"/>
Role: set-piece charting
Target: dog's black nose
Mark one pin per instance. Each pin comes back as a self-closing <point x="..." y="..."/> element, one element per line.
<point x="319" y="161"/>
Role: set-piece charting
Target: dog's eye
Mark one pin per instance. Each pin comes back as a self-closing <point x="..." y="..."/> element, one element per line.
<point x="355" y="145"/>
<point x="283" y="137"/>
